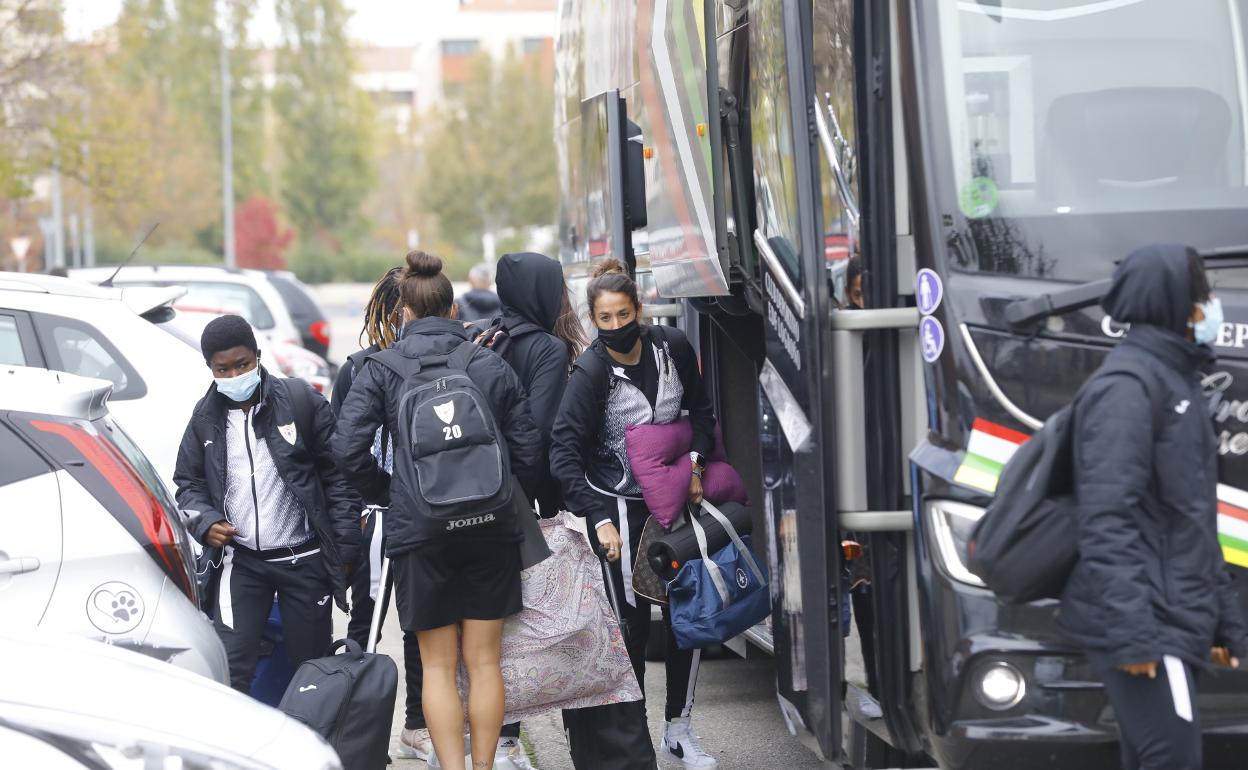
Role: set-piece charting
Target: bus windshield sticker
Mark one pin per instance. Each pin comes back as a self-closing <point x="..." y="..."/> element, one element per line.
<point x="978" y="198"/>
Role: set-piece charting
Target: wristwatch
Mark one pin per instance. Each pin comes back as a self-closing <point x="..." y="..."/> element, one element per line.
<point x="699" y="463"/>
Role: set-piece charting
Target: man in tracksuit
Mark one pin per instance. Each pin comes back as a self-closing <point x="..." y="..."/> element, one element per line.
<point x="1150" y="600"/>
<point x="274" y="512"/>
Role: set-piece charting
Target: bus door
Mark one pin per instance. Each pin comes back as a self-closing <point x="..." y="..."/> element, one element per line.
<point x="797" y="460"/>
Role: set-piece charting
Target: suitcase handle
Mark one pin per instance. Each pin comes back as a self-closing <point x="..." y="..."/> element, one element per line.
<point x="354" y="650"/>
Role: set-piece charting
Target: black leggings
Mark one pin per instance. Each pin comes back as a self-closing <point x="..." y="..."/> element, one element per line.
<point x="682" y="665"/>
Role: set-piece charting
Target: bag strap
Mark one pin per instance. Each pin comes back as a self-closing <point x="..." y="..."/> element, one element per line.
<point x="712" y="569"/>
<point x="462" y="355"/>
<point x="1156" y="399"/>
<point x="724" y="522"/>
<point x="301" y="404"/>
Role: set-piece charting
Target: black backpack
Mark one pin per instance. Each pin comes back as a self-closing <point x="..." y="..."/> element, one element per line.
<point x="349" y="700"/>
<point x="448" y="447"/>
<point x="1026" y="544"/>
<point x="499" y="338"/>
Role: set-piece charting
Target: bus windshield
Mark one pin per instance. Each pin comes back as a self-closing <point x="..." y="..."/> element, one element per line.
<point x="1067" y="133"/>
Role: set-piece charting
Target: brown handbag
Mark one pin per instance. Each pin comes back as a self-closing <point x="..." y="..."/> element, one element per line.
<point x="646" y="583"/>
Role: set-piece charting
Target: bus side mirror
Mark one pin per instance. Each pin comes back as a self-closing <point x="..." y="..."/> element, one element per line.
<point x="634" y="177"/>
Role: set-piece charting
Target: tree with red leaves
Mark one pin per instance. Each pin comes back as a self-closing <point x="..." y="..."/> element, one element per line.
<point x="260" y="238"/>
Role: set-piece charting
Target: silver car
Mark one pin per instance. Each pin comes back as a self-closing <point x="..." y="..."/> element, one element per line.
<point x="93" y="544"/>
<point x="71" y="703"/>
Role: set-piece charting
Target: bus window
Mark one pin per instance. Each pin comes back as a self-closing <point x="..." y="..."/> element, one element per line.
<point x="771" y="129"/>
<point x="834" y="92"/>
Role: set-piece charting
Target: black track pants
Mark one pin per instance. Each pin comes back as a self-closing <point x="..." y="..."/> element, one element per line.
<point x="1157" y="720"/>
<point x="682" y="665"/>
<point x="245" y="597"/>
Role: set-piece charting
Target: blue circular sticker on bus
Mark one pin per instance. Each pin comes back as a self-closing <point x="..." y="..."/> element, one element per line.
<point x="931" y="339"/>
<point x="928" y="291"/>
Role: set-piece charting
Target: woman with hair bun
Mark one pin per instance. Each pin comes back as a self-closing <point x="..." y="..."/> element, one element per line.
<point x="632" y="374"/>
<point x="456" y="579"/>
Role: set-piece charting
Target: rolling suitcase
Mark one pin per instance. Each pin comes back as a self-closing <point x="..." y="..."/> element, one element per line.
<point x="613" y="737"/>
<point x="349" y="698"/>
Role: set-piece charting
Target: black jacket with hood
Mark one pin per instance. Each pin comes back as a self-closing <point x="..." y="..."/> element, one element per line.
<point x="374" y="401"/>
<point x="531" y="288"/>
<point x="577" y="434"/>
<point x="478" y="304"/>
<point x="1150" y="580"/>
<point x="306" y="465"/>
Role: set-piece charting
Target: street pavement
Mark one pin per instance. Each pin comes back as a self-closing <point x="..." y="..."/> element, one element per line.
<point x="736" y="718"/>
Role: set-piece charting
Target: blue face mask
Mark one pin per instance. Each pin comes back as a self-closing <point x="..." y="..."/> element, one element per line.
<point x="1207" y="329"/>
<point x="239" y="388"/>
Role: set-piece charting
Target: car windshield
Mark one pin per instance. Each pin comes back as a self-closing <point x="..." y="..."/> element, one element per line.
<point x="297" y="300"/>
<point x="1067" y="133"/>
<point x="219" y="297"/>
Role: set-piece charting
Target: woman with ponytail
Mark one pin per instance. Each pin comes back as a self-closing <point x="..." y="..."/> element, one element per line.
<point x="632" y="374"/>
<point x="455" y="580"/>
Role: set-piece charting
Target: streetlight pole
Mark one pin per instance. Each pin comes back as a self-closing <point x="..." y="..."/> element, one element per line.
<point x="227" y="145"/>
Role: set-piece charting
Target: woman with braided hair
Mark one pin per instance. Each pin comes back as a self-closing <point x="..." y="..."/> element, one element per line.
<point x="383" y="321"/>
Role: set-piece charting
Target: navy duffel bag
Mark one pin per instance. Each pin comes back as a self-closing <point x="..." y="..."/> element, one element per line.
<point x="716" y="598"/>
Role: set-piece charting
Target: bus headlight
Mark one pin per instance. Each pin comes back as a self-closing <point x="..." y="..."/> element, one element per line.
<point x="952" y="524"/>
<point x="999" y="686"/>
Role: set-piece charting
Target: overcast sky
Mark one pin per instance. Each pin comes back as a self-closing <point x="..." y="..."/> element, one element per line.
<point x="379" y="22"/>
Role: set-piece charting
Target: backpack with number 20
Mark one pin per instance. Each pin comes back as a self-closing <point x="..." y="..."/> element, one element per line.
<point x="448" y="447"/>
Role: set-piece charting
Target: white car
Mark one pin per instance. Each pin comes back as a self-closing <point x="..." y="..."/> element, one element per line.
<point x="70" y="703"/>
<point x="248" y="293"/>
<point x="112" y="334"/>
<point x="92" y="543"/>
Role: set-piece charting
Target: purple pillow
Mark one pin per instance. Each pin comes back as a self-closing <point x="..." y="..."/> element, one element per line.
<point x="659" y="457"/>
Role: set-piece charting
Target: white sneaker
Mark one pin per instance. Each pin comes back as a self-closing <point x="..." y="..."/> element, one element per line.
<point x="680" y="744"/>
<point x="415" y="744"/>
<point x="511" y="755"/>
<point x="432" y="759"/>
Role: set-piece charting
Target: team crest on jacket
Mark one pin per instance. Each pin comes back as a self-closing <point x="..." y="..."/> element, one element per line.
<point x="288" y="432"/>
<point x="445" y="412"/>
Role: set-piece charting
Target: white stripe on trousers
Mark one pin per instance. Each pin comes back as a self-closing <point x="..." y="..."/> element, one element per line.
<point x="1176" y="672"/>
<point x="374" y="559"/>
<point x="225" y="598"/>
<point x="626" y="558"/>
<point x="693" y="683"/>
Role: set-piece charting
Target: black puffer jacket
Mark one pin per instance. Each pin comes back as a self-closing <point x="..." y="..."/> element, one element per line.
<point x="374" y="401"/>
<point x="531" y="289"/>
<point x="307" y="466"/>
<point x="1150" y="580"/>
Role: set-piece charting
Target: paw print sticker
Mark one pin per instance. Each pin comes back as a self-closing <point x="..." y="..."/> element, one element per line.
<point x="115" y="608"/>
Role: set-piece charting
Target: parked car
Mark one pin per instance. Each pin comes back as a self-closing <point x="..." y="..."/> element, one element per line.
<point x="245" y="292"/>
<point x="113" y="334"/>
<point x="75" y="704"/>
<point x="306" y="312"/>
<point x="93" y="543"/>
<point x="280" y="358"/>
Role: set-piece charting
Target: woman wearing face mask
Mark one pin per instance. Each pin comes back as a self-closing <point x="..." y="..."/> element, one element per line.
<point x="456" y="579"/>
<point x="1150" y="600"/>
<point x="632" y="374"/>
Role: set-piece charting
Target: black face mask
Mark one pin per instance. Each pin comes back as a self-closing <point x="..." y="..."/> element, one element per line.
<point x="623" y="339"/>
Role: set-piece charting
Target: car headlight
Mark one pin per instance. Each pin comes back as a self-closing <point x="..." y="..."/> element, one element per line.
<point x="952" y="525"/>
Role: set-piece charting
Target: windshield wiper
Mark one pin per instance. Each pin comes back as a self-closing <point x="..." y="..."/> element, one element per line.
<point x="1022" y="312"/>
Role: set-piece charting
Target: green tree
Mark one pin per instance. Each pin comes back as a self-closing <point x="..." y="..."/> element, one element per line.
<point x="326" y="125"/>
<point x="490" y="155"/>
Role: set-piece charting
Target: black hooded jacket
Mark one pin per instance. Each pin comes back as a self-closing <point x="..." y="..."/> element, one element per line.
<point x="1150" y="580"/>
<point x="478" y="304"/>
<point x="531" y="289"/>
<point x="306" y="465"/>
<point x="374" y="401"/>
